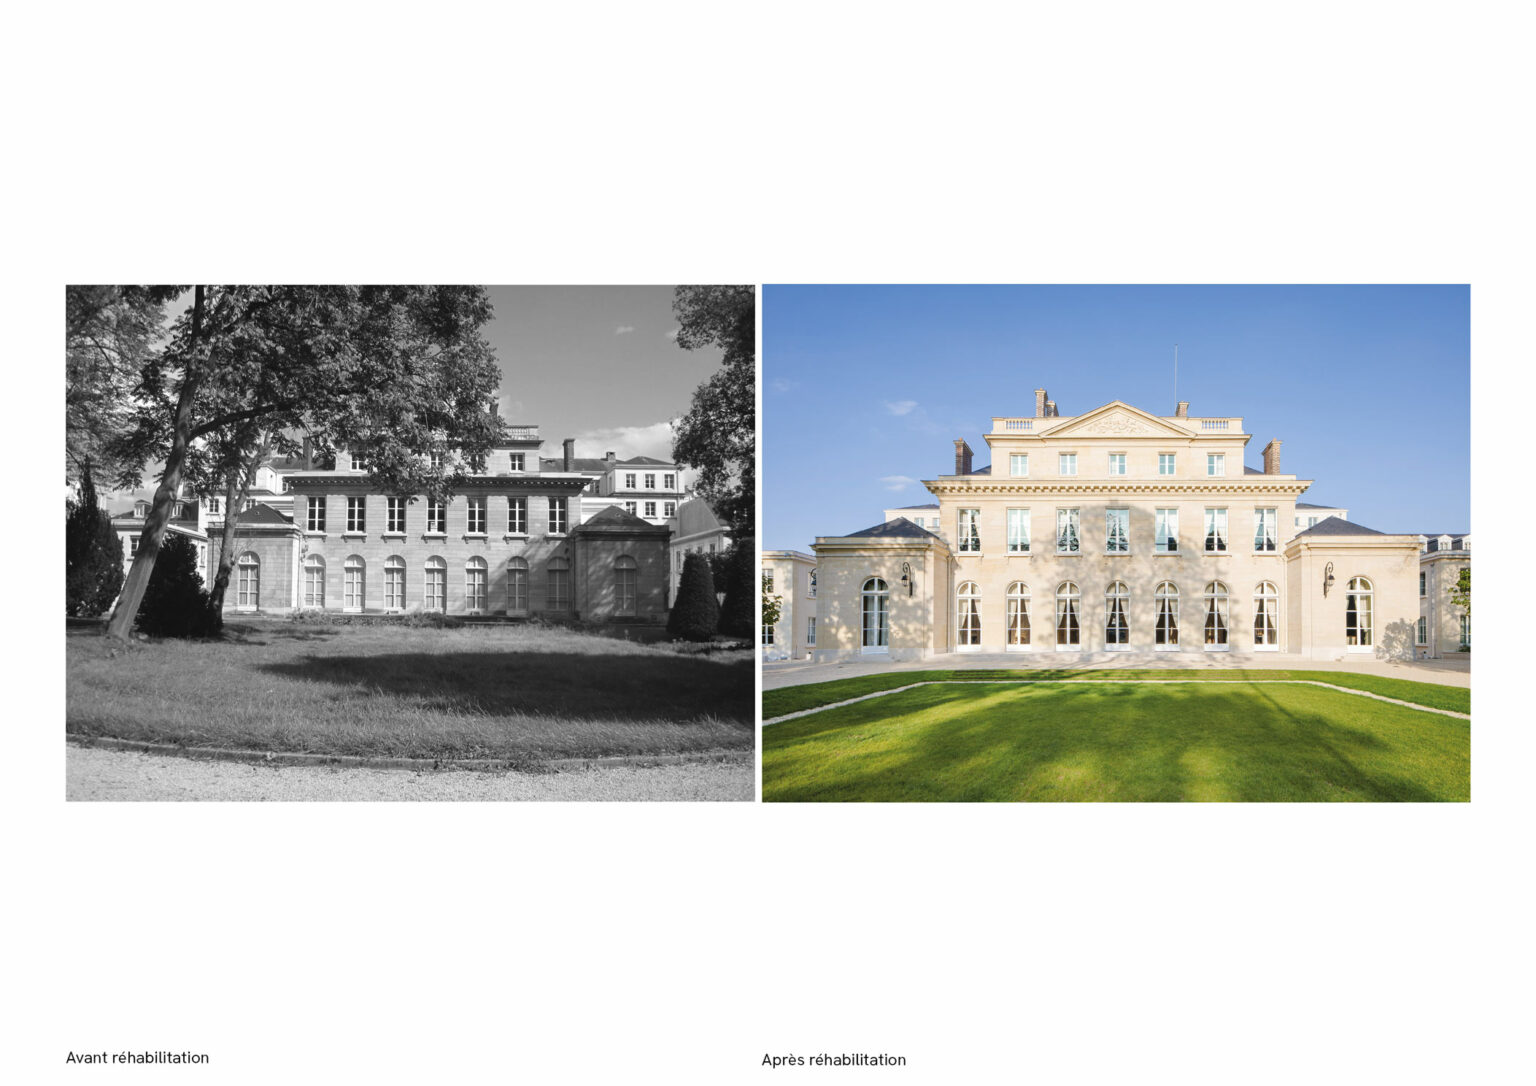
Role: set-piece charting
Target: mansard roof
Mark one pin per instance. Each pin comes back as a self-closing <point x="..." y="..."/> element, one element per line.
<point x="261" y="513"/>
<point x="1309" y="505"/>
<point x="1337" y="526"/>
<point x="901" y="527"/>
<point x="616" y="520"/>
<point x="930" y="505"/>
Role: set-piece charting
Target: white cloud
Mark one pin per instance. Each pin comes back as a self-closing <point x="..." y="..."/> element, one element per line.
<point x="627" y="441"/>
<point x="897" y="482"/>
<point x="900" y="407"/>
<point x="624" y="329"/>
<point x="779" y="384"/>
<point x="511" y="410"/>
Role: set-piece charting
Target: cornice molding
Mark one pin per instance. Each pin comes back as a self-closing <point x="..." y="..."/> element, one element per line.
<point x="1248" y="484"/>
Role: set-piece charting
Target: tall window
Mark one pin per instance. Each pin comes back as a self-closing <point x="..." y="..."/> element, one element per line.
<point x="1421" y="584"/>
<point x="1423" y="635"/>
<point x="356" y="514"/>
<point x="1217" y="615"/>
<point x="1018" y="463"/>
<point x="811" y="591"/>
<point x="1066" y="463"/>
<point x="437" y="516"/>
<point x="314" y="581"/>
<point x="1357" y="613"/>
<point x="1215" y="463"/>
<point x="1264" y="530"/>
<point x="1117" y="463"/>
<point x="650" y="480"/>
<point x="1166" y="629"/>
<point x="1216" y="531"/>
<point x="669" y="481"/>
<point x="394" y="583"/>
<point x="1018" y="531"/>
<point x="1069" y="632"/>
<point x="876" y="612"/>
<point x="474" y="583"/>
<point x="767" y="634"/>
<point x="557" y="596"/>
<point x="557" y="517"/>
<point x="1466" y="631"/>
<point x="668" y="509"/>
<point x="515" y="461"/>
<point x="624" y="572"/>
<point x="968" y="600"/>
<point x="1117" y="606"/>
<point x="517" y="516"/>
<point x="1018" y="615"/>
<point x="248" y="582"/>
<point x="353" y="583"/>
<point x="650" y="509"/>
<point x="1067" y="539"/>
<point x="1266" y="616"/>
<point x="631" y="508"/>
<point x="768" y="580"/>
<point x="1117" y="531"/>
<point x="517" y="584"/>
<point x="435" y="585"/>
<point x="629" y="480"/>
<point x="394" y="515"/>
<point x="476" y="523"/>
<point x="970" y="531"/>
<point x="1165" y="463"/>
<point x="314" y="520"/>
<point x="1167" y="531"/>
<point x="810" y="630"/>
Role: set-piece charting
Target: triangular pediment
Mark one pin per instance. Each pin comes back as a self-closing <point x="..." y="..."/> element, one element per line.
<point x="1116" y="419"/>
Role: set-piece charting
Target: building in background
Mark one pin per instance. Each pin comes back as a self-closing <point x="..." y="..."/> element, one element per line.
<point x="695" y="530"/>
<point x="791" y="576"/>
<point x="1444" y="628"/>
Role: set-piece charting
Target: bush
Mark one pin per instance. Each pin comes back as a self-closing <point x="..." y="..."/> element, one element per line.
<point x="93" y="555"/>
<point x="175" y="603"/>
<point x="738" y="618"/>
<point x="696" y="613"/>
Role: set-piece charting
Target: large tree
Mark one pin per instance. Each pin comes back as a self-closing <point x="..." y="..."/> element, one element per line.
<point x="93" y="557"/>
<point x="718" y="435"/>
<point x="399" y="374"/>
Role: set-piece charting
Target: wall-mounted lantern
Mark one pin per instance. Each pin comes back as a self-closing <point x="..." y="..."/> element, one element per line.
<point x="906" y="576"/>
<point x="1327" y="578"/>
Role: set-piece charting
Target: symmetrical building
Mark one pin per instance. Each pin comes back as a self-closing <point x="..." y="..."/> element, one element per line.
<point x="1110" y="532"/>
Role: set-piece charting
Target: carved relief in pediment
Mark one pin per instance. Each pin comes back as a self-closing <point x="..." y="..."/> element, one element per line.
<point x="1116" y="424"/>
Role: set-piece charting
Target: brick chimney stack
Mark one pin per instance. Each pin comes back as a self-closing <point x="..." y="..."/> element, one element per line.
<point x="570" y="453"/>
<point x="1050" y="408"/>
<point x="1183" y="411"/>
<point x="1040" y="400"/>
<point x="1272" y="457"/>
<point x="962" y="457"/>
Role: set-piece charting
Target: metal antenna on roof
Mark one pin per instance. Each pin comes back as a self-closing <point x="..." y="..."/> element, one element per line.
<point x="1175" y="376"/>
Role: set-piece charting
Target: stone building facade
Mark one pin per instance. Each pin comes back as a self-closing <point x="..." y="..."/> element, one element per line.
<point x="1444" y="628"/>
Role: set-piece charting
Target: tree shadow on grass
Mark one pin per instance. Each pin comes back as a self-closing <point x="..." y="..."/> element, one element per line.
<point x="559" y="685"/>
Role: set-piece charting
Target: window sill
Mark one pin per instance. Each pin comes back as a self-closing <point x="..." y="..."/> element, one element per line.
<point x="1117" y="648"/>
<point x="1018" y="554"/>
<point x="556" y="535"/>
<point x="1266" y="648"/>
<point x="475" y="535"/>
<point x="392" y="535"/>
<point x="1266" y="554"/>
<point x="354" y="535"/>
<point x="971" y="554"/>
<point x="311" y="533"/>
<point x="1168" y="554"/>
<point x="1166" y="648"/>
<point x="1217" y="648"/>
<point x="1117" y="554"/>
<point x="434" y="535"/>
<point x="1216" y="554"/>
<point x="1069" y="554"/>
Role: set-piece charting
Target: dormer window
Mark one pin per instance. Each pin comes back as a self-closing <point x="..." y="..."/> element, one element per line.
<point x="1215" y="463"/>
<point x="516" y="461"/>
<point x="359" y="462"/>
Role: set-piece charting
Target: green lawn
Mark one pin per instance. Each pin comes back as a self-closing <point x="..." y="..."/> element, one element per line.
<point x="527" y="694"/>
<point x="1114" y="741"/>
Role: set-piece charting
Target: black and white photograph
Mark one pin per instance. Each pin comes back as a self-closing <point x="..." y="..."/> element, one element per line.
<point x="410" y="542"/>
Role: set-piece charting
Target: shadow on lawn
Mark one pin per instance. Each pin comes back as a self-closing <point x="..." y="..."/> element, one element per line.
<point x="560" y="685"/>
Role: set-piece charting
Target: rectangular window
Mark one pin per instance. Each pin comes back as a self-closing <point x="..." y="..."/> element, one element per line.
<point x="1067" y="523"/>
<point x="394" y="586"/>
<point x="668" y="509"/>
<point x="1216" y="531"/>
<point x="437" y="517"/>
<point x="359" y="463"/>
<point x="1117" y="531"/>
<point x="1264" y="531"/>
<point x="356" y="514"/>
<point x="1422" y="593"/>
<point x="970" y="531"/>
<point x="517" y="516"/>
<point x="1066" y="463"/>
<point x="1466" y="631"/>
<point x="315" y="520"/>
<point x="650" y="480"/>
<point x="768" y="580"/>
<point x="557" y="518"/>
<point x="1165" y="462"/>
<point x="810" y="631"/>
<point x="394" y="518"/>
<point x="669" y="481"/>
<point x="632" y="508"/>
<point x="1215" y="463"/>
<point x="476" y="516"/>
<point x="767" y="635"/>
<point x="1018" y="531"/>
<point x="1423" y="638"/>
<point x="559" y="589"/>
<point x="629" y="480"/>
<point x="1167" y="531"/>
<point x="1018" y="463"/>
<point x="650" y="509"/>
<point x="133" y="545"/>
<point x="1117" y="463"/>
<point x="515" y="461"/>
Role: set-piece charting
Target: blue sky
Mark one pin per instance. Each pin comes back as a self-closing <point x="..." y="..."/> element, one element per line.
<point x="866" y="388"/>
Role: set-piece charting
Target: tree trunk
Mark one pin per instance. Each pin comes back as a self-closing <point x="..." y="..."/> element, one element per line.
<point x="121" y="623"/>
<point x="235" y="493"/>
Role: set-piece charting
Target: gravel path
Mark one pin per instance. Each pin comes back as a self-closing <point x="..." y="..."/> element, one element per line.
<point x="123" y="775"/>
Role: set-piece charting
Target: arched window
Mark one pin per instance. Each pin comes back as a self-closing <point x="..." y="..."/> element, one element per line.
<point x="474" y="584"/>
<point x="248" y="582"/>
<point x="517" y="585"/>
<point x="1018" y="616"/>
<point x="1217" y="616"/>
<point x="968" y="608"/>
<point x="876" y="610"/>
<point x="811" y="591"/>
<point x="1069" y="631"/>
<point x="558" y="590"/>
<point x="1117" y="626"/>
<point x="1166" y="631"/>
<point x="1266" y="616"/>
<point x="625" y="570"/>
<point x="353" y="583"/>
<point x="1357" y="614"/>
<point x="394" y="583"/>
<point x="314" y="581"/>
<point x="435" y="585"/>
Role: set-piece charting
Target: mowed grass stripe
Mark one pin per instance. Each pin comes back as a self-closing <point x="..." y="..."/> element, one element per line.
<point x="1118" y="742"/>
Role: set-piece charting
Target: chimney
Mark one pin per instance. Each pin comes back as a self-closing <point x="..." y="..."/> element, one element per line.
<point x="1272" y="457"/>
<point x="962" y="457"/>
<point x="309" y="453"/>
<point x="1050" y="408"/>
<point x="1040" y="401"/>
<point x="610" y="459"/>
<point x="570" y="453"/>
<point x="1183" y="411"/>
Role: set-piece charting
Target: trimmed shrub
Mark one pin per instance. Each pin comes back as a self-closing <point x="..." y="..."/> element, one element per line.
<point x="696" y="613"/>
<point x="738" y="618"/>
<point x="175" y="602"/>
<point x="93" y="555"/>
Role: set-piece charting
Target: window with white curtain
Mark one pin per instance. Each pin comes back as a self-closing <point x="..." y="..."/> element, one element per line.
<point x="1166" y="630"/>
<point x="968" y="609"/>
<point x="1117" y="531"/>
<point x="1018" y="615"/>
<point x="1266" y="616"/>
<point x="1217" y="615"/>
<point x="1068" y="522"/>
<point x="1216" y="531"/>
<point x="1018" y="531"/>
<point x="1117" y="624"/>
<point x="970" y="531"/>
<point x="1358" y="617"/>
<point x="1167" y="531"/>
<point x="1069" y="632"/>
<point x="1264" y="531"/>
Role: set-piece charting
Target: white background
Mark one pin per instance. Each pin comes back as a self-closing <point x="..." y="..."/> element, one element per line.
<point x="801" y="142"/>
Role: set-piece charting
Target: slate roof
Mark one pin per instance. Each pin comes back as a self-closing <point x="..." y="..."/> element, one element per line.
<point x="593" y="463"/>
<point x="616" y="519"/>
<point x="930" y="505"/>
<point x="901" y="527"/>
<point x="1338" y="526"/>
<point x="1309" y="505"/>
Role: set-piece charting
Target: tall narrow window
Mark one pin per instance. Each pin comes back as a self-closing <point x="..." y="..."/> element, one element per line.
<point x="1165" y="463"/>
<point x="811" y="589"/>
<point x="1358" y="619"/>
<point x="394" y="583"/>
<point x="1423" y="635"/>
<point x="1264" y="531"/>
<point x="314" y="581"/>
<point x="558" y="594"/>
<point x="650" y="509"/>
<point x="1117" y="531"/>
<point x="1217" y="615"/>
<point x="248" y="582"/>
<point x="669" y="481"/>
<point x="1266" y="616"/>
<point x="1018" y="463"/>
<point x="625" y="571"/>
<point x="810" y="630"/>
<point x="1167" y="531"/>
<point x="1215" y="463"/>
<point x="1216" y="531"/>
<point x="1117" y="626"/>
<point x="314" y="520"/>
<point x="557" y="516"/>
<point x="970" y="531"/>
<point x="668" y="509"/>
<point x="1117" y="463"/>
<point x="1069" y="632"/>
<point x="394" y="517"/>
<point x="357" y="513"/>
<point x="474" y="584"/>
<point x="968" y="610"/>
<point x="875" y="608"/>
<point x="517" y="585"/>
<point x="517" y="516"/>
<point x="476" y="523"/>
<point x="1066" y="463"/>
<point x="1018" y="531"/>
<point x="435" y="585"/>
<point x="1067" y="522"/>
<point x="1166" y="631"/>
<point x="768" y="580"/>
<point x="650" y="480"/>
<point x="1018" y="616"/>
<point x="1421" y="584"/>
<point x="353" y="583"/>
<point x="629" y="480"/>
<point x="1466" y="631"/>
<point x="437" y="516"/>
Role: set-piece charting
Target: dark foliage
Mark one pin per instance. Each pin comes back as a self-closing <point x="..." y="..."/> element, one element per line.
<point x="738" y="618"/>
<point x="93" y="557"/>
<point x="175" y="603"/>
<point x="696" y="613"/>
<point x="718" y="436"/>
